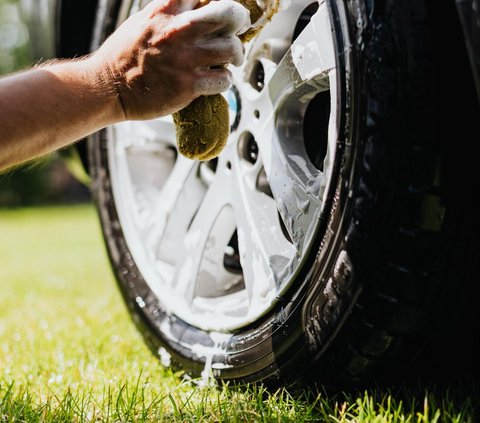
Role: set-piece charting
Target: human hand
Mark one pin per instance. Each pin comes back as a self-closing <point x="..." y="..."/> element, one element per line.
<point x="169" y="53"/>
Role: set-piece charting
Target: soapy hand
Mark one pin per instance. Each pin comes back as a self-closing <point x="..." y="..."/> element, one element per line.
<point x="169" y="53"/>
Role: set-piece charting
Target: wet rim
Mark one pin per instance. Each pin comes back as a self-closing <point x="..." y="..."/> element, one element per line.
<point x="219" y="241"/>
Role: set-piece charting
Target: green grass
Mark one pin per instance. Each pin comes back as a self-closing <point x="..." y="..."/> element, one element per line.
<point x="68" y="351"/>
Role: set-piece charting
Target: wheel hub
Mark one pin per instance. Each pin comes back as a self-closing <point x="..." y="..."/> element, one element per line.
<point x="234" y="107"/>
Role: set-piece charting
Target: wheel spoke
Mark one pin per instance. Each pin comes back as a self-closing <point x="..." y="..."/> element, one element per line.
<point x="297" y="191"/>
<point x="265" y="252"/>
<point x="170" y="218"/>
<point x="142" y="133"/>
<point x="147" y="158"/>
<point x="199" y="266"/>
<point x="281" y="28"/>
<point x="297" y="185"/>
<point x="308" y="61"/>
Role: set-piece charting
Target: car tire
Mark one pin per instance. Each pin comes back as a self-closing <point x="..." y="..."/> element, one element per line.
<point x="374" y="253"/>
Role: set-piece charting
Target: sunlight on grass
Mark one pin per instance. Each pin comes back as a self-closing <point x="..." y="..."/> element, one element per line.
<point x="62" y="320"/>
<point x="70" y="353"/>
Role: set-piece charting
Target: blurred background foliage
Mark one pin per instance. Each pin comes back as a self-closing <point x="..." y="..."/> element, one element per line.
<point x="14" y="48"/>
<point x="46" y="181"/>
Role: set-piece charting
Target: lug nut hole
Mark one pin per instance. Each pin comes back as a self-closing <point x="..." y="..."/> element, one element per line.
<point x="248" y="148"/>
<point x="257" y="76"/>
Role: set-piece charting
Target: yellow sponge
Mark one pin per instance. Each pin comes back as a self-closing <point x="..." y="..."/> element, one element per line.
<point x="203" y="126"/>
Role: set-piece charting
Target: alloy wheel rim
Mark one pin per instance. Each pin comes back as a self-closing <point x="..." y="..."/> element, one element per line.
<point x="219" y="242"/>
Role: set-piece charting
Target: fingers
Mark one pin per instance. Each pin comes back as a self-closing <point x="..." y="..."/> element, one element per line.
<point x="216" y="26"/>
<point x="233" y="17"/>
<point x="173" y="7"/>
<point x="184" y="5"/>
<point x="213" y="81"/>
<point x="221" y="51"/>
<point x="219" y="17"/>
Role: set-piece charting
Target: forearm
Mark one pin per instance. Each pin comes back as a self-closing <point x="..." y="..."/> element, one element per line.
<point x="52" y="106"/>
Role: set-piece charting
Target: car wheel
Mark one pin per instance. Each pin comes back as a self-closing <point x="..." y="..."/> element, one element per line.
<point x="314" y="245"/>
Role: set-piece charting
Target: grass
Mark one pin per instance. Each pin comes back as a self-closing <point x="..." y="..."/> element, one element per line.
<point x="69" y="352"/>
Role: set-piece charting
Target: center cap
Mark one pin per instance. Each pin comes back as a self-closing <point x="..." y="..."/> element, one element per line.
<point x="234" y="106"/>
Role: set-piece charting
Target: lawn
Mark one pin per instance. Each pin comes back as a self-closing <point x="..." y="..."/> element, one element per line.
<point x="69" y="352"/>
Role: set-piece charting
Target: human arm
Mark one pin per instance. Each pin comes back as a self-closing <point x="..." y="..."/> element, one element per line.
<point x="48" y="108"/>
<point x="157" y="62"/>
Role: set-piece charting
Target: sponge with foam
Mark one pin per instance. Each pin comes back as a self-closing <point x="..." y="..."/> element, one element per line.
<point x="203" y="126"/>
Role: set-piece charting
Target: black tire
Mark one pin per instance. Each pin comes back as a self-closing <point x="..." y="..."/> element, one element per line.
<point x="382" y="267"/>
<point x="74" y="31"/>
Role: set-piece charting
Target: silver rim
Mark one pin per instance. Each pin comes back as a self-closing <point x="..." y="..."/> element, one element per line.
<point x="219" y="242"/>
